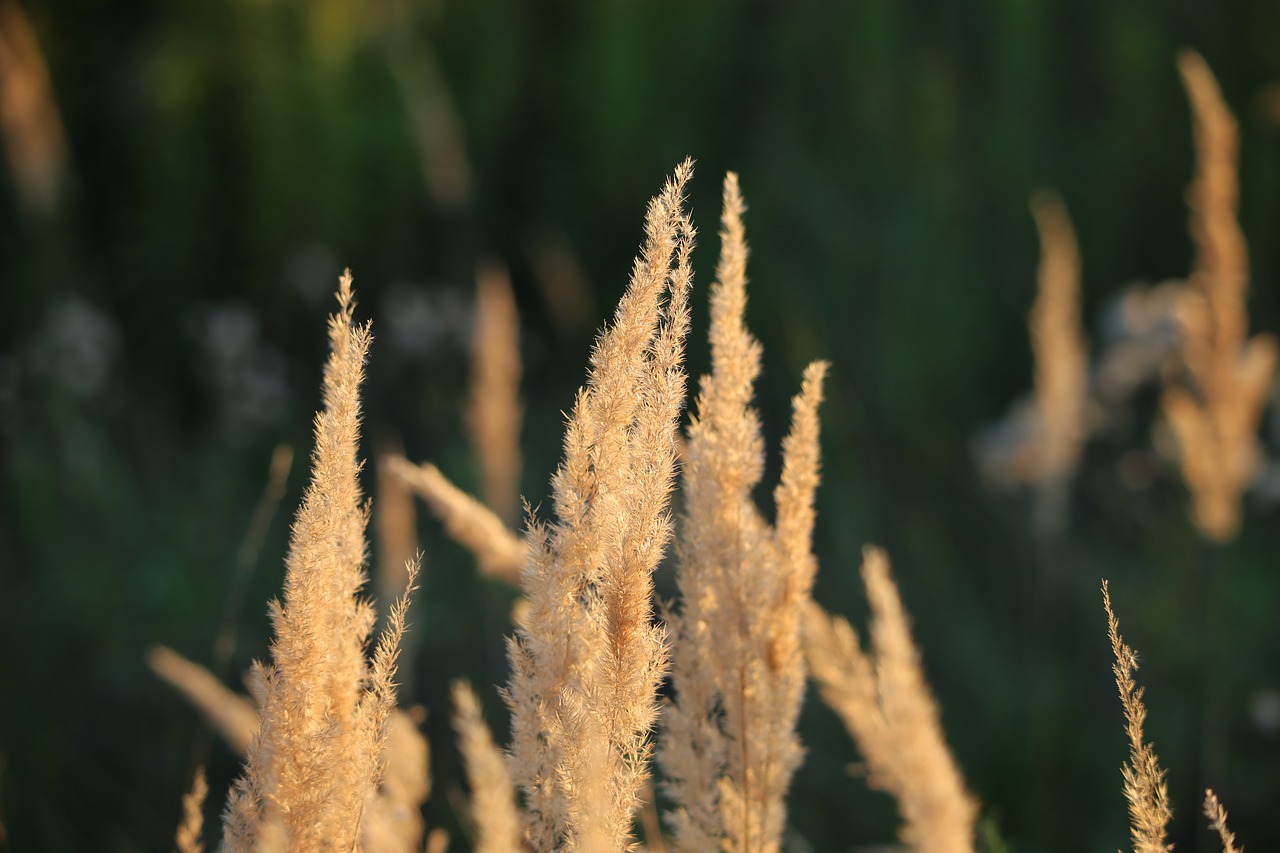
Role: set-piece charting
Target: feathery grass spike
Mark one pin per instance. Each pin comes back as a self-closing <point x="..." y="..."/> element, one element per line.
<point x="317" y="759"/>
<point x="884" y="701"/>
<point x="500" y="552"/>
<point x="493" y="805"/>
<point x="1218" y="820"/>
<point x="1062" y="361"/>
<point x="1215" y="419"/>
<point x="729" y="746"/>
<point x="189" y="832"/>
<point x="231" y="714"/>
<point x="587" y="656"/>
<point x="1144" y="782"/>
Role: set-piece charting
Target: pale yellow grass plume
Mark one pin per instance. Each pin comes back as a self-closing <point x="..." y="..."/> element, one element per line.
<point x="192" y="826"/>
<point x="1215" y="419"/>
<point x="1218" y="820"/>
<point x="493" y="803"/>
<point x="317" y="758"/>
<point x="501" y="554"/>
<point x="1144" y="782"/>
<point x="231" y="714"/>
<point x="393" y="821"/>
<point x="883" y="698"/>
<point x="729" y="746"/>
<point x="1062" y="362"/>
<point x="587" y="657"/>
<point x="30" y="124"/>
<point x="494" y="411"/>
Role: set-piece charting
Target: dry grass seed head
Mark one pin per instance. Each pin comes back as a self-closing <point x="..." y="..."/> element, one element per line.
<point x="884" y="701"/>
<point x="1061" y="359"/>
<point x="316" y="761"/>
<point x="729" y="744"/>
<point x="587" y="657"/>
<point x="493" y="805"/>
<point x="192" y="826"/>
<point x="500" y="553"/>
<point x="1144" y="782"/>
<point x="1215" y="418"/>
<point x="1217" y="815"/>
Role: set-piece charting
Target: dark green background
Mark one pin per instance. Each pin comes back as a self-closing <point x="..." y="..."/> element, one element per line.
<point x="228" y="158"/>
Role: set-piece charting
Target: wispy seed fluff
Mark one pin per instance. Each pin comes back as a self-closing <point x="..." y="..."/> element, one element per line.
<point x="314" y="766"/>
<point x="587" y="657"/>
<point x="1216" y="412"/>
<point x="1144" y="783"/>
<point x="729" y="746"/>
<point x="884" y="701"/>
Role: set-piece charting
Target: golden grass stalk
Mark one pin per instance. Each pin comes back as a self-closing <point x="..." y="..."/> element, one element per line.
<point x="192" y="826"/>
<point x="1144" y="782"/>
<point x="493" y="804"/>
<point x="1062" y="361"/>
<point x="231" y="714"/>
<point x="883" y="698"/>
<point x="1215" y="419"/>
<point x="1218" y="820"/>
<point x="494" y="411"/>
<point x="729" y="746"/>
<point x="393" y="821"/>
<point x="587" y="657"/>
<point x="317" y="758"/>
<point x="501" y="554"/>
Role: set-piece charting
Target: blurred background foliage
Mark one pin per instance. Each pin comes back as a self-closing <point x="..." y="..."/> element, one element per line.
<point x="172" y="229"/>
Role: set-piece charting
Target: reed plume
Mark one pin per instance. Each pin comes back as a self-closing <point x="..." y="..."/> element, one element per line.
<point x="1215" y="417"/>
<point x="499" y="552"/>
<point x="884" y="701"/>
<point x="1218" y="820"/>
<point x="587" y="657"/>
<point x="394" y="819"/>
<point x="317" y="758"/>
<point x="494" y="411"/>
<point x="1061" y="359"/>
<point x="232" y="715"/>
<point x="192" y="826"/>
<point x="729" y="746"/>
<point x="493" y="804"/>
<point x="1144" y="782"/>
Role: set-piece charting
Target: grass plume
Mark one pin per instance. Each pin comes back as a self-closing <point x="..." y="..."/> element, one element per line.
<point x="1217" y="815"/>
<point x="192" y="826"/>
<point x="317" y="758"/>
<point x="587" y="657"/>
<point x="729" y="746"/>
<point x="1144" y="782"/>
<point x="501" y="554"/>
<point x="884" y="701"/>
<point x="1062" y="361"/>
<point x="493" y="803"/>
<point x="1215" y="416"/>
